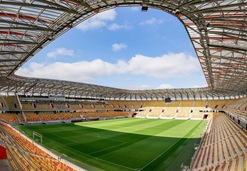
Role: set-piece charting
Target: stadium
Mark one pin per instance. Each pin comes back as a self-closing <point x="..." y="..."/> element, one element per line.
<point x="50" y="124"/>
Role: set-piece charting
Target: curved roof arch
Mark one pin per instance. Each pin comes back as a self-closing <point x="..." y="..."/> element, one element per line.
<point x="217" y="30"/>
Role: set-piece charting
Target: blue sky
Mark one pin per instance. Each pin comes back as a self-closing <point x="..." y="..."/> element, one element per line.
<point x="124" y="48"/>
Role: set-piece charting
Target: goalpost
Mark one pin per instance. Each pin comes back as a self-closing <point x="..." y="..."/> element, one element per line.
<point x="37" y="135"/>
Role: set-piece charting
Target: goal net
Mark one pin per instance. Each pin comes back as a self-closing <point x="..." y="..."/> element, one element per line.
<point x="37" y="137"/>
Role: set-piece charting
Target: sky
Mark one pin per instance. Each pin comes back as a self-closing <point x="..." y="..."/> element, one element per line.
<point x="122" y="48"/>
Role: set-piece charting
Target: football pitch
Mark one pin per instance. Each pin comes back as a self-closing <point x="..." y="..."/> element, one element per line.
<point x="123" y="144"/>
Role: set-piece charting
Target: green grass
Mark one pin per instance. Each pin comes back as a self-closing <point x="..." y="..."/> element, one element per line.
<point x="123" y="144"/>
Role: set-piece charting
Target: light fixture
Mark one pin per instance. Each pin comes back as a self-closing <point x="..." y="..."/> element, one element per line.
<point x="144" y="8"/>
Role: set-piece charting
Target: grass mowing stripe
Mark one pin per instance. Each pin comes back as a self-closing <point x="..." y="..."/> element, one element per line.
<point x="138" y="138"/>
<point x="106" y="161"/>
<point x="120" y="126"/>
<point x="184" y="153"/>
<point x="98" y="136"/>
<point x="104" y="123"/>
<point x="155" y="129"/>
<point x="96" y="158"/>
<point x="107" y="148"/>
<point x="131" y="124"/>
<point x="96" y="140"/>
<point x="116" y="135"/>
<point x="128" y="155"/>
<point x="153" y="164"/>
<point x="138" y="129"/>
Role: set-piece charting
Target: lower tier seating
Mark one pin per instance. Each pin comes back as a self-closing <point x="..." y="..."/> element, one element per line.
<point x="223" y="146"/>
<point x="25" y="155"/>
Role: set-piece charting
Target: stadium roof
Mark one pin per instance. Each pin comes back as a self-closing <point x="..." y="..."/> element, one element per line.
<point x="217" y="30"/>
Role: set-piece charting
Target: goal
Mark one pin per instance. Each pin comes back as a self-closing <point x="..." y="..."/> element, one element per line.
<point x="37" y="135"/>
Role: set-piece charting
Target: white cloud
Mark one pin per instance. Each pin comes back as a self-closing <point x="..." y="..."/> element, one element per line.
<point x="98" y="21"/>
<point x="118" y="46"/>
<point x="135" y="9"/>
<point x="115" y="26"/>
<point x="82" y="71"/>
<point x="60" y="52"/>
<point x="165" y="86"/>
<point x="151" y="21"/>
<point x="164" y="66"/>
<point x="161" y="67"/>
